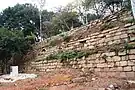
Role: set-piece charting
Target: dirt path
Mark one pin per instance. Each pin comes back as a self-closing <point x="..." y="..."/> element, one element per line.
<point x="67" y="79"/>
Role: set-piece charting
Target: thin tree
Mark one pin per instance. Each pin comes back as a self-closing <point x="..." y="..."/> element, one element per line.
<point x="41" y="4"/>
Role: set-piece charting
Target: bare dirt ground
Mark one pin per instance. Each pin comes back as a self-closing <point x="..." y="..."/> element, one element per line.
<point x="67" y="79"/>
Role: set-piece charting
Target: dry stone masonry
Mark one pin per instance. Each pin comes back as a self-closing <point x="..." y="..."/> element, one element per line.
<point x="115" y="53"/>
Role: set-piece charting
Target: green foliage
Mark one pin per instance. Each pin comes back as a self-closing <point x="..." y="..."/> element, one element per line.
<point x="68" y="55"/>
<point x="31" y="38"/>
<point x="101" y="7"/>
<point x="93" y="17"/>
<point x="21" y="17"/>
<point x="64" y="20"/>
<point x="127" y="4"/>
<point x="129" y="46"/>
<point x="47" y="16"/>
<point x="12" y="43"/>
<point x="130" y="21"/>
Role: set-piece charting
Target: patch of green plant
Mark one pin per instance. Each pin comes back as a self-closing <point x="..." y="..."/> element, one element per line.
<point x="68" y="55"/>
<point x="51" y="57"/>
<point x="129" y="46"/>
<point x="62" y="34"/>
<point x="130" y="21"/>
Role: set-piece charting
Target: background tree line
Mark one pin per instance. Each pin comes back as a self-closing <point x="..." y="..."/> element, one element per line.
<point x="25" y="17"/>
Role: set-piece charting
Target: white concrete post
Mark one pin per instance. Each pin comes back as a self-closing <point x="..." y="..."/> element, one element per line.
<point x="14" y="71"/>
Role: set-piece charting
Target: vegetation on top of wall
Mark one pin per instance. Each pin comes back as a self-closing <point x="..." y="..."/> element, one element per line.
<point x="129" y="46"/>
<point x="68" y="55"/>
<point x="131" y="20"/>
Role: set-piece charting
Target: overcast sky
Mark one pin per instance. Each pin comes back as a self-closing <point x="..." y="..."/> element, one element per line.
<point x="50" y="4"/>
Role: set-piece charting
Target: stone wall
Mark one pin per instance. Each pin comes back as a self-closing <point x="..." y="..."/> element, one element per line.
<point x="115" y="53"/>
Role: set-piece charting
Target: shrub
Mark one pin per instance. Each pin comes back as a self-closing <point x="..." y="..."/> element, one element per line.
<point x="129" y="46"/>
<point x="68" y="55"/>
<point x="130" y="20"/>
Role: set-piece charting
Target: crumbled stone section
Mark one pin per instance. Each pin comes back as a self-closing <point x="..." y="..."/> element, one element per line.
<point x="10" y="78"/>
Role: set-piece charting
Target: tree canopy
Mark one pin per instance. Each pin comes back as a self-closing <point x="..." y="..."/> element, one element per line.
<point x="23" y="17"/>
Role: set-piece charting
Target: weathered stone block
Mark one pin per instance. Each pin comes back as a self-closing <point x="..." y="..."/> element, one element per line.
<point x="116" y="58"/>
<point x="89" y="65"/>
<point x="100" y="35"/>
<point x="110" y="54"/>
<point x="109" y="59"/>
<point x="123" y="36"/>
<point x="122" y="53"/>
<point x="97" y="55"/>
<point x="113" y="69"/>
<point x="110" y="65"/>
<point x="91" y="47"/>
<point x="108" y="39"/>
<point x="117" y="64"/>
<point x="97" y="33"/>
<point x="110" y="42"/>
<point x="101" y="89"/>
<point x="133" y="68"/>
<point x="124" y="58"/>
<point x="130" y="63"/>
<point x="86" y="45"/>
<point x="91" y="61"/>
<point x="129" y="68"/>
<point x="119" y="69"/>
<point x="116" y="41"/>
<point x="123" y="63"/>
<point x="106" y="69"/>
<point x="101" y="44"/>
<point x="102" y="65"/>
<point x="81" y="62"/>
<point x="131" y="57"/>
<point x="118" y="33"/>
<point x="108" y="35"/>
<point x="132" y="39"/>
<point x="132" y="51"/>
<point x="130" y="74"/>
<point x="97" y="69"/>
<point x="123" y="75"/>
<point x="116" y="37"/>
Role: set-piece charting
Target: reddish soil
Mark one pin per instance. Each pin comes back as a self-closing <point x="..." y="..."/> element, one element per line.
<point x="67" y="79"/>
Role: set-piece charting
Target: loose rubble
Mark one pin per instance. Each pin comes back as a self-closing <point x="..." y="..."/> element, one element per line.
<point x="10" y="78"/>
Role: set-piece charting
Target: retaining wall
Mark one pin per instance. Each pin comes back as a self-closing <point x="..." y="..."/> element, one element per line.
<point x="115" y="53"/>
